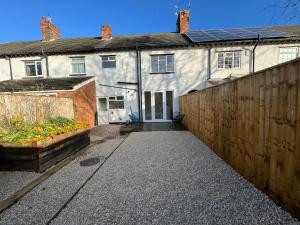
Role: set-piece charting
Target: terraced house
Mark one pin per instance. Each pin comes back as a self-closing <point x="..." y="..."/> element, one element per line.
<point x="146" y="73"/>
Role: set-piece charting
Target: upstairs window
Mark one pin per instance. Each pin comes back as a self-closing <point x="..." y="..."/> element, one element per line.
<point x="108" y="61"/>
<point x="288" y="53"/>
<point x="78" y="65"/>
<point x="162" y="63"/>
<point x="229" y="60"/>
<point x="116" y="102"/>
<point x="33" y="68"/>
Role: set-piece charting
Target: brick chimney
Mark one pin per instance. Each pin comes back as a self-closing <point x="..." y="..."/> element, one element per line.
<point x="49" y="30"/>
<point x="106" y="32"/>
<point x="183" y="21"/>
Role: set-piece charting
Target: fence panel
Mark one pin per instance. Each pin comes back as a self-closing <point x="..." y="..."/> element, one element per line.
<point x="35" y="108"/>
<point x="253" y="123"/>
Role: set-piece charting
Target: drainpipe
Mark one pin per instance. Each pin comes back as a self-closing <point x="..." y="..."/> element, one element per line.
<point x="10" y="67"/>
<point x="209" y="63"/>
<point x="138" y="73"/>
<point x="253" y="53"/>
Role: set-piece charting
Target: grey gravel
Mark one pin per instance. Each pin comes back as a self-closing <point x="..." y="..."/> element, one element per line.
<point x="40" y="205"/>
<point x="169" y="178"/>
<point x="12" y="181"/>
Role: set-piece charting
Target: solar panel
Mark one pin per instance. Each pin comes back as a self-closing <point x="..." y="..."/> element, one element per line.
<point x="236" y="34"/>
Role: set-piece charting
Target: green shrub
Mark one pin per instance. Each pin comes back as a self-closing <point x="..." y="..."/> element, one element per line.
<point x="23" y="132"/>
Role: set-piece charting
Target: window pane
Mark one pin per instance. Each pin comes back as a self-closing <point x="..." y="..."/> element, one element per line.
<point x="236" y="61"/>
<point x="108" y="64"/>
<point x="78" y="60"/>
<point x="78" y="68"/>
<point x="108" y="61"/>
<point x="120" y="97"/>
<point x="170" y="63"/>
<point x="78" y="65"/>
<point x="162" y="64"/>
<point x="220" y="60"/>
<point x="39" y="68"/>
<point x="104" y="58"/>
<point x="154" y="64"/>
<point x="30" y="69"/>
<point x="102" y="104"/>
<point x="116" y="104"/>
<point x="286" y="54"/>
<point x="228" y="60"/>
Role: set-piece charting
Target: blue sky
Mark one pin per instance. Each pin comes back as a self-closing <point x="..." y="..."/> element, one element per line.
<point x="20" y="19"/>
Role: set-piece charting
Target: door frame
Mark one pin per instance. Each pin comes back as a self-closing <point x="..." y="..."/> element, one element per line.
<point x="163" y="91"/>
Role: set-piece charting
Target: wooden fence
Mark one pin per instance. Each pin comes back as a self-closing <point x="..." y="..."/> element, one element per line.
<point x="253" y="123"/>
<point x="34" y="108"/>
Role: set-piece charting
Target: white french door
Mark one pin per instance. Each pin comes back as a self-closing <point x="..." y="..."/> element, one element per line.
<point x="158" y="106"/>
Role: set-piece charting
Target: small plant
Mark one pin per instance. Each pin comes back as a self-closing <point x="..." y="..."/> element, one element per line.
<point x="22" y="132"/>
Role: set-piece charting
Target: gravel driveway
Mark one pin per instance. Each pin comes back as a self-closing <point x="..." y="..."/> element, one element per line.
<point x="162" y="178"/>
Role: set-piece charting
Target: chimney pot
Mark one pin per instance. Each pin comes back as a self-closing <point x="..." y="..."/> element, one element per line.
<point x="183" y="21"/>
<point x="49" y="30"/>
<point x="106" y="32"/>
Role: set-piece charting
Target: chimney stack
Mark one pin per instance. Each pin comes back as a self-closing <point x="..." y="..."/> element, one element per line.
<point x="106" y="32"/>
<point x="49" y="30"/>
<point x="183" y="21"/>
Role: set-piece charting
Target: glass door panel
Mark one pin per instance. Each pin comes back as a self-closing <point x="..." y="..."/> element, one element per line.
<point x="169" y="103"/>
<point x="148" y="111"/>
<point x="159" y="113"/>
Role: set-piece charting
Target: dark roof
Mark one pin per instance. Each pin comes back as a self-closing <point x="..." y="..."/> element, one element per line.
<point x="96" y="44"/>
<point x="41" y="84"/>
<point x="93" y="44"/>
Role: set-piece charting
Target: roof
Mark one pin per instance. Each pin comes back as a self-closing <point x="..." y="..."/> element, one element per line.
<point x="124" y="42"/>
<point x="41" y="84"/>
<point x="93" y="44"/>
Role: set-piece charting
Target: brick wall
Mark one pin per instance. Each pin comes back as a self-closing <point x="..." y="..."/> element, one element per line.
<point x="84" y="103"/>
<point x="49" y="30"/>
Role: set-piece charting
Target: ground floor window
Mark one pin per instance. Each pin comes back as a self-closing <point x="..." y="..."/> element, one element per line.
<point x="116" y="102"/>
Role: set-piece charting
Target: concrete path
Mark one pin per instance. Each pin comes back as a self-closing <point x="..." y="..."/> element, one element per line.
<point x="151" y="178"/>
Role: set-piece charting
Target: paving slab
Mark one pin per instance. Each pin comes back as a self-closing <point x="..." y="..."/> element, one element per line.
<point x="169" y="178"/>
<point x="43" y="202"/>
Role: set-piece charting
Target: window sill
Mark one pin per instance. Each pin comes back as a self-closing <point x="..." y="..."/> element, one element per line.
<point x="77" y="74"/>
<point x="220" y="69"/>
<point x="161" y="73"/>
<point x="33" y="77"/>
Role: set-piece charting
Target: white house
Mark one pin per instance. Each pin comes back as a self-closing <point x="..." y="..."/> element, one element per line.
<point x="147" y="73"/>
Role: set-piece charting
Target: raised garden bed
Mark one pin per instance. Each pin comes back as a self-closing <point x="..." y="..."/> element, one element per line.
<point x="39" y="156"/>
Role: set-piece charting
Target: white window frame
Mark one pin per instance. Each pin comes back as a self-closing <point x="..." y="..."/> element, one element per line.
<point x="225" y="56"/>
<point x="110" y="58"/>
<point x="115" y="99"/>
<point x="280" y="60"/>
<point x="166" y="63"/>
<point x="72" y="63"/>
<point x="35" y="62"/>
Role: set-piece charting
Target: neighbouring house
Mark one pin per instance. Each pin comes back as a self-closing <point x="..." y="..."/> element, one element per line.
<point x="80" y="89"/>
<point x="147" y="73"/>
